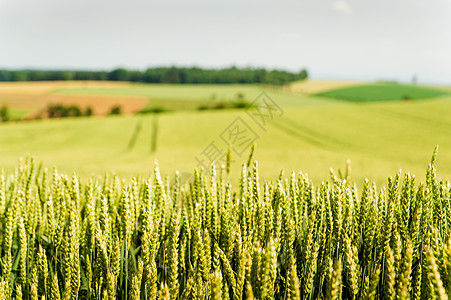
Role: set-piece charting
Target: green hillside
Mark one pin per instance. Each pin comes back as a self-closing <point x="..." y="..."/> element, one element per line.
<point x="311" y="135"/>
<point x="382" y="92"/>
<point x="192" y="97"/>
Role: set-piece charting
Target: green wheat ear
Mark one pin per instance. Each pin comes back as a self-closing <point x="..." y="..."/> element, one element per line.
<point x="164" y="292"/>
<point x="438" y="291"/>
<point x="33" y="292"/>
<point x="216" y="285"/>
<point x="229" y="160"/>
<point x="282" y="239"/>
<point x="19" y="295"/>
<point x="334" y="289"/>
<point x="55" y="292"/>
<point x="251" y="155"/>
<point x="4" y="289"/>
<point x="434" y="155"/>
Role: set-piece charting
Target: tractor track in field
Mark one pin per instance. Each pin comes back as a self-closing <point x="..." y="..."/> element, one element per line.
<point x="307" y="134"/>
<point x="431" y="123"/>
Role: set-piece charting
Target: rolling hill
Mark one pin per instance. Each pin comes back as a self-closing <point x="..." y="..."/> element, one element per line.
<point x="309" y="134"/>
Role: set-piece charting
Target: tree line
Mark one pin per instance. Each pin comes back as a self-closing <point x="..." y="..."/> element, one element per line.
<point x="177" y="75"/>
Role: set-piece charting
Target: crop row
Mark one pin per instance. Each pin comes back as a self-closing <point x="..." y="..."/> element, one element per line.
<point x="159" y="239"/>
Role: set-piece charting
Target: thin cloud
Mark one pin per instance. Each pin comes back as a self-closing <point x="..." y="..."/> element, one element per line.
<point x="342" y="7"/>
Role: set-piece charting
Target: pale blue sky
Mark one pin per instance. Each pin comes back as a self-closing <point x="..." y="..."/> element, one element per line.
<point x="345" y="39"/>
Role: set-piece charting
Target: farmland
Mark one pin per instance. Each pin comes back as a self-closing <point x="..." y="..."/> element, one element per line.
<point x="381" y="92"/>
<point x="313" y="134"/>
<point x="100" y="219"/>
<point x="32" y="98"/>
<point x="147" y="238"/>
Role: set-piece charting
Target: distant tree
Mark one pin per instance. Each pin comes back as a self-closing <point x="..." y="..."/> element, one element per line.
<point x="136" y="76"/>
<point x="67" y="75"/>
<point x="61" y="111"/>
<point x="241" y="104"/>
<point x="89" y="75"/>
<point x="4" y="113"/>
<point x="115" y="110"/>
<point x="56" y="111"/>
<point x="153" y="110"/>
<point x="172" y="75"/>
<point x="119" y="75"/>
<point x="220" y="105"/>
<point x="302" y="75"/>
<point x="73" y="111"/>
<point x="182" y="75"/>
<point x="35" y="76"/>
<point x="58" y="75"/>
<point x="260" y="75"/>
<point x="19" y="76"/>
<point x="89" y="111"/>
<point x="152" y="76"/>
<point x="5" y="75"/>
<point x="240" y="101"/>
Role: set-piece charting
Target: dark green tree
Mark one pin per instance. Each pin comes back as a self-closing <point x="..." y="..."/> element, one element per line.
<point x="115" y="110"/>
<point x="119" y="75"/>
<point x="182" y="75"/>
<point x="19" y="76"/>
<point x="74" y="111"/>
<point x="5" y="75"/>
<point x="89" y="111"/>
<point x="302" y="75"/>
<point x="4" y="113"/>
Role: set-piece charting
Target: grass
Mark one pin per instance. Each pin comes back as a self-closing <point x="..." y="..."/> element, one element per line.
<point x="382" y="92"/>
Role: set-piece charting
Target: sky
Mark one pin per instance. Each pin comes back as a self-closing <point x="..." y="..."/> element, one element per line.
<point x="332" y="39"/>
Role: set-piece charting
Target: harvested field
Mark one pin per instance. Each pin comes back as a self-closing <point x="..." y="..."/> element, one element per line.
<point x="308" y="87"/>
<point x="34" y="97"/>
<point x="101" y="105"/>
<point x="46" y="87"/>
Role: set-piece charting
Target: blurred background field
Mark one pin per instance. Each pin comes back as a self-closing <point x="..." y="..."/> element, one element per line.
<point x="315" y="132"/>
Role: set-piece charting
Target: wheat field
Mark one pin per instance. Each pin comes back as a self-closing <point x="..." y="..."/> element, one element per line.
<point x="155" y="238"/>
